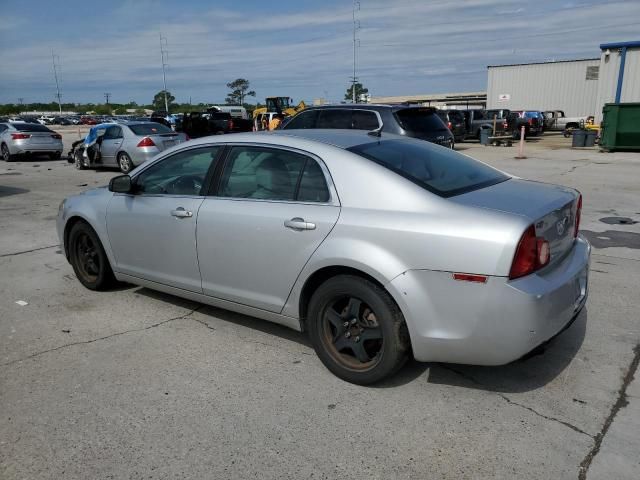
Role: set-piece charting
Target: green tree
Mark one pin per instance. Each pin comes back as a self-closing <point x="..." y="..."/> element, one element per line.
<point x="239" y="90"/>
<point x="102" y="109"/>
<point x="158" y="100"/>
<point x="359" y="91"/>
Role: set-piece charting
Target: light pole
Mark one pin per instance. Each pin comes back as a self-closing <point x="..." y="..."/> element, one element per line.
<point x="163" y="57"/>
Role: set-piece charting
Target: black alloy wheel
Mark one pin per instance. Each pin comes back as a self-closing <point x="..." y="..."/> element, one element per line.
<point x="88" y="258"/>
<point x="357" y="330"/>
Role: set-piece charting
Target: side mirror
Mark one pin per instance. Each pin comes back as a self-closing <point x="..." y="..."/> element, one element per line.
<point x="120" y="184"/>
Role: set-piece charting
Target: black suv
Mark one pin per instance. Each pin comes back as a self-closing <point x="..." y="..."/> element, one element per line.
<point x="417" y="122"/>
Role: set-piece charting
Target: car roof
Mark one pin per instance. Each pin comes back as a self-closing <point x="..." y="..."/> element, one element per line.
<point x="368" y="106"/>
<point x="304" y="138"/>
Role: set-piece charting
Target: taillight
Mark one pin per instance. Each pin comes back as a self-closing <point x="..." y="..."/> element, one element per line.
<point x="146" y="142"/>
<point x="578" y="215"/>
<point x="57" y="136"/>
<point x="186" y="137"/>
<point x="506" y="125"/>
<point x="532" y="254"/>
<point x="531" y="121"/>
<point x="449" y="125"/>
<point x="230" y="124"/>
<point x="20" y="136"/>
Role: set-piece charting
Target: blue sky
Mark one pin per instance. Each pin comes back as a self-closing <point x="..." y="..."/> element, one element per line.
<point x="301" y="49"/>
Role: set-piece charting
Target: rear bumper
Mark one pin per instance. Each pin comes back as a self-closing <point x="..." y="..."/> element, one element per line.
<point x="17" y="148"/>
<point x="143" y="154"/>
<point x="493" y="323"/>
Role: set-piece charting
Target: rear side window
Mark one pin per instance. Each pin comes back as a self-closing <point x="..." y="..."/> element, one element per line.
<point x="419" y="120"/>
<point x="335" y="118"/>
<point x="150" y="128"/>
<point x="365" y="120"/>
<point x="30" y="127"/>
<point x="303" y="120"/>
<point x="442" y="171"/>
<point x="313" y="186"/>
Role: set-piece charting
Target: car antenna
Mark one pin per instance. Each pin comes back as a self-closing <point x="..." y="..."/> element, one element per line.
<point x="376" y="132"/>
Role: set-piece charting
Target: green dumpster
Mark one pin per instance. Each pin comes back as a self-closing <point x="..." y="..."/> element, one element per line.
<point x="620" y="126"/>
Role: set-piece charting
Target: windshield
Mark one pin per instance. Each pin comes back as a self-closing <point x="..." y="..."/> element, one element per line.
<point x="420" y="120"/>
<point x="150" y="128"/>
<point x="440" y="170"/>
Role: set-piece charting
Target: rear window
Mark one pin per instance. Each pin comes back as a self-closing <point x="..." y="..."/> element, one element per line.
<point x="30" y="127"/>
<point x="439" y="170"/>
<point x="150" y="128"/>
<point x="335" y="118"/>
<point x="303" y="120"/>
<point x="419" y="120"/>
<point x="455" y="116"/>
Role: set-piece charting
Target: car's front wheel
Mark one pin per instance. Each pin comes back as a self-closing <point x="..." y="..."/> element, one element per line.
<point x="357" y="330"/>
<point x="88" y="258"/>
<point x="124" y="162"/>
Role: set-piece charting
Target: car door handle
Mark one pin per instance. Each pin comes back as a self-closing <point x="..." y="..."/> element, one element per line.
<point x="298" y="223"/>
<point x="181" y="213"/>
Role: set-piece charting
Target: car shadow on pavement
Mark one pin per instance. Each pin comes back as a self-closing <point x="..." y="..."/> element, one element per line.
<point x="231" y="317"/>
<point x="7" y="191"/>
<point x="533" y="371"/>
<point x="529" y="373"/>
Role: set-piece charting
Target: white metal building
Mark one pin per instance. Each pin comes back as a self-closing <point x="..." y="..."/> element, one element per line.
<point x="570" y="86"/>
<point x="619" y="74"/>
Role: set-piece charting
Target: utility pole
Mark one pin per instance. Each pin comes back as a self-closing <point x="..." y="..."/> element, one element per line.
<point x="21" y="102"/>
<point x="356" y="27"/>
<point x="55" y="74"/>
<point x="164" y="55"/>
<point x="106" y="97"/>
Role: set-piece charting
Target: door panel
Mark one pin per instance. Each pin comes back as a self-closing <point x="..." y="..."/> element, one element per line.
<point x="148" y="240"/>
<point x="248" y="255"/>
<point x="153" y="232"/>
<point x="111" y="142"/>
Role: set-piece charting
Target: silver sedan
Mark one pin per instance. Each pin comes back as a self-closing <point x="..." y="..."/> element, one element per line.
<point x="124" y="145"/>
<point x="378" y="246"/>
<point x="22" y="138"/>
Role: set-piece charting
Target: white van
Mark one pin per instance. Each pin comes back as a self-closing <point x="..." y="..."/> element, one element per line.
<point x="236" y="111"/>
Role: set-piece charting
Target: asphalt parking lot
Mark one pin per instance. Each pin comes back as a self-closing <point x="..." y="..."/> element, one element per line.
<point x="137" y="384"/>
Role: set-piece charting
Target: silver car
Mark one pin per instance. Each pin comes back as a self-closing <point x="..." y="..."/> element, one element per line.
<point x="125" y="145"/>
<point x="378" y="246"/>
<point x="22" y="138"/>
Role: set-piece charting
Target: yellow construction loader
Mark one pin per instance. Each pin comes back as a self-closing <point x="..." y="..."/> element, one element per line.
<point x="275" y="106"/>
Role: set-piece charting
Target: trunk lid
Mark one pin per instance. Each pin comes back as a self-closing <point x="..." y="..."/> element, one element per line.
<point x="550" y="208"/>
<point x="167" y="140"/>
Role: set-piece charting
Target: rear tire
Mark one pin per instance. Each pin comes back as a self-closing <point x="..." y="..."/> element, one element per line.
<point x="6" y="154"/>
<point x="124" y="162"/>
<point x="88" y="258"/>
<point x="357" y="330"/>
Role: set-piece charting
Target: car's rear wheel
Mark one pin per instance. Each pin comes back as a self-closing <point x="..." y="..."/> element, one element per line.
<point x="124" y="162"/>
<point x="6" y="154"/>
<point x="357" y="330"/>
<point x="88" y="258"/>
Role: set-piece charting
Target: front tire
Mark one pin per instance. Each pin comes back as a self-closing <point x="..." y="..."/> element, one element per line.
<point x="124" y="162"/>
<point x="357" y="330"/>
<point x="88" y="258"/>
